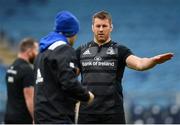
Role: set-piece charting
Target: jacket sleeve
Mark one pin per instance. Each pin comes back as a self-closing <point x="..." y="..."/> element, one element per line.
<point x="78" y="52"/>
<point x="66" y="73"/>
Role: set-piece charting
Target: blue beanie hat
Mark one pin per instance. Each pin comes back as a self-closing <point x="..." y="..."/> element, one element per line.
<point x="66" y="23"/>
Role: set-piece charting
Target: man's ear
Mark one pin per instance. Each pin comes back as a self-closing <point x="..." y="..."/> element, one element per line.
<point x="111" y="27"/>
<point x="92" y="28"/>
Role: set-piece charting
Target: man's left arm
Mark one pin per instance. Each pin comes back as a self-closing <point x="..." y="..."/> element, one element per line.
<point x="28" y="95"/>
<point x="141" y="64"/>
<point x="28" y="88"/>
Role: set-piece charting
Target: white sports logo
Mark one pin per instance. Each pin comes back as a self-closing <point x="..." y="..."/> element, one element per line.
<point x="39" y="77"/>
<point x="97" y="58"/>
<point x="87" y="52"/>
<point x="110" y="51"/>
<point x="71" y="64"/>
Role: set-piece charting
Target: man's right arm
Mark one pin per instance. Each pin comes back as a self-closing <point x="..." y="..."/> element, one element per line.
<point x="67" y="75"/>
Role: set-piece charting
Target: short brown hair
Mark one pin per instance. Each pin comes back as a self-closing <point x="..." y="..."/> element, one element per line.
<point x="26" y="44"/>
<point x="102" y="15"/>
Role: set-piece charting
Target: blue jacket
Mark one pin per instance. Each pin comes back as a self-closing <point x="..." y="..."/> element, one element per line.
<point x="51" y="38"/>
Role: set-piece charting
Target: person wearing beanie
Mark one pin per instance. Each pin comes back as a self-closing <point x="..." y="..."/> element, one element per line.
<point x="57" y="89"/>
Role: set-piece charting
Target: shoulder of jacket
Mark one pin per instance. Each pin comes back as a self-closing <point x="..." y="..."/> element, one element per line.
<point x="56" y="45"/>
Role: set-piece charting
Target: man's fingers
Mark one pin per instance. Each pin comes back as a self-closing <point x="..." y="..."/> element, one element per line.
<point x="167" y="56"/>
<point x="164" y="57"/>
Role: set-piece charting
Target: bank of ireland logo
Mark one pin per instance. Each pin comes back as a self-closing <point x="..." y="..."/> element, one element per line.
<point x="87" y="52"/>
<point x="110" y="51"/>
<point x="97" y="58"/>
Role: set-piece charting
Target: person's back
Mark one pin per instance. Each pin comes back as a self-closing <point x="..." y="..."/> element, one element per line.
<point x="52" y="94"/>
<point x="19" y="79"/>
<point x="57" y="88"/>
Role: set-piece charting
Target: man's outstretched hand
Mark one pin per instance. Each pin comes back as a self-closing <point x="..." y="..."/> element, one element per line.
<point x="162" y="58"/>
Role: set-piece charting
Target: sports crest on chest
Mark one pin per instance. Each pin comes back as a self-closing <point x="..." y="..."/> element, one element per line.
<point x="105" y="57"/>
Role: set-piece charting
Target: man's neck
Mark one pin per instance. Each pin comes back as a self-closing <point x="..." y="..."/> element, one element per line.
<point x="100" y="44"/>
<point x="23" y="56"/>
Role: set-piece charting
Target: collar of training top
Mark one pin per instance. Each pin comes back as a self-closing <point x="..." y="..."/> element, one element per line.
<point x="104" y="45"/>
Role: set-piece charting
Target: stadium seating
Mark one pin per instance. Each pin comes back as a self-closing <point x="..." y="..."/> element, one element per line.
<point x="2" y="92"/>
<point x="147" y="27"/>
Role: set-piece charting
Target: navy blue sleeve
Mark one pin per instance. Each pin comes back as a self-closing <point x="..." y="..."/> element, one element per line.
<point x="67" y="62"/>
<point x="123" y="53"/>
<point x="78" y="52"/>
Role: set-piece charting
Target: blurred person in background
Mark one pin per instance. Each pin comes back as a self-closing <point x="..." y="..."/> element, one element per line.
<point x="20" y="84"/>
<point x="102" y="63"/>
<point x="57" y="88"/>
